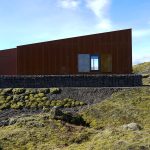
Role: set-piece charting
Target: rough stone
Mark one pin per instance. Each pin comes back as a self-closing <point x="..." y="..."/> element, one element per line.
<point x="132" y="126"/>
<point x="47" y="81"/>
<point x="55" y="113"/>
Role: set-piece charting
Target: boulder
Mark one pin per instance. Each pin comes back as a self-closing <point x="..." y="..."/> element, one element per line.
<point x="56" y="113"/>
<point x="132" y="126"/>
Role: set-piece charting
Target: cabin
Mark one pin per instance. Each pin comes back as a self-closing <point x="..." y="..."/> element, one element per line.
<point x="102" y="53"/>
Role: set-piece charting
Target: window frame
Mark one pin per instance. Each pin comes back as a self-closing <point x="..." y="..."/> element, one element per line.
<point x="97" y="55"/>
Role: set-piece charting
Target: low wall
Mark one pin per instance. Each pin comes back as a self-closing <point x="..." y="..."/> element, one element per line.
<point x="129" y="80"/>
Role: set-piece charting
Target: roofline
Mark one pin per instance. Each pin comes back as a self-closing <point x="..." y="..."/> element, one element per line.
<point x="66" y="39"/>
<point x="10" y="49"/>
<point x="76" y="37"/>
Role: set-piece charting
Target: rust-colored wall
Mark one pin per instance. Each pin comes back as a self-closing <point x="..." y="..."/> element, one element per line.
<point x="61" y="56"/>
<point x="8" y="62"/>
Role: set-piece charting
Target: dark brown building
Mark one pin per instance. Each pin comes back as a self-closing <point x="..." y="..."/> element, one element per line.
<point x="104" y="53"/>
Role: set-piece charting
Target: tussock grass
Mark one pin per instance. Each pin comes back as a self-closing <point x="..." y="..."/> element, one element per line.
<point x="105" y="132"/>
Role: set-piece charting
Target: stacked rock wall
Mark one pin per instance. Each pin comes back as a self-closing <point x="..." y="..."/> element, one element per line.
<point x="129" y="80"/>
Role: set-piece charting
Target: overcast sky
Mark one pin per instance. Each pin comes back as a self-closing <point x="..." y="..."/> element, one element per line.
<point x="30" y="21"/>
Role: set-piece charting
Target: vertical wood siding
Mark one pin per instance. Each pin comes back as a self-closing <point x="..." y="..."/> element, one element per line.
<point x="60" y="56"/>
<point x="8" y="62"/>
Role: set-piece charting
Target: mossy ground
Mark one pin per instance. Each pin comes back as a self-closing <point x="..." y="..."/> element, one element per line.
<point x="40" y="132"/>
<point x="144" y="69"/>
<point x="33" y="99"/>
<point x="105" y="131"/>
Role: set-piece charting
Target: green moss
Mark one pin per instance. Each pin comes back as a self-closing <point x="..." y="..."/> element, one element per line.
<point x="44" y="98"/>
<point x="48" y="103"/>
<point x="53" y="103"/>
<point x="67" y="105"/>
<point x="18" y="90"/>
<point x="4" y="106"/>
<point x="9" y="98"/>
<point x="26" y="97"/>
<point x="40" y="132"/>
<point x="54" y="90"/>
<point x="142" y="68"/>
<point x="41" y="94"/>
<point x="129" y="105"/>
<point x="17" y="105"/>
<point x="7" y="90"/>
<point x="31" y="91"/>
<point x="34" y="105"/>
<point x="36" y="96"/>
<point x="38" y="99"/>
<point x="43" y="90"/>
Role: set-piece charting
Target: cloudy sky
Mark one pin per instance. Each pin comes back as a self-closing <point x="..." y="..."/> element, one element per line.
<point x="30" y="21"/>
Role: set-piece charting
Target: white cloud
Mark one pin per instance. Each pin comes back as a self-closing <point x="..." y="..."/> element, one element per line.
<point x="105" y="24"/>
<point x="100" y="9"/>
<point x="140" y="59"/>
<point x="141" y="33"/>
<point x="69" y="4"/>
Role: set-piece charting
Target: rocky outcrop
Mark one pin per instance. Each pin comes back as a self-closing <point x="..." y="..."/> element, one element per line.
<point x="132" y="126"/>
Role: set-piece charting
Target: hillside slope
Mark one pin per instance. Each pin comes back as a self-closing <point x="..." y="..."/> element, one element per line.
<point x="106" y="119"/>
<point x="144" y="69"/>
<point x="120" y="122"/>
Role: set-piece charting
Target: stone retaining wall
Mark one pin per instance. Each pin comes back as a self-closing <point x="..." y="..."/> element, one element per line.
<point x="44" y="81"/>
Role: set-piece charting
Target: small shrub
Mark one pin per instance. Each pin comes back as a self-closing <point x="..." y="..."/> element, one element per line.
<point x="18" y="90"/>
<point x="32" y="99"/>
<point x="31" y="95"/>
<point x="82" y="103"/>
<point x="67" y="105"/>
<point x="7" y="90"/>
<point x="4" y="106"/>
<point x="16" y="97"/>
<point x="54" y="90"/>
<point x="44" y="98"/>
<point x="48" y="103"/>
<point x="41" y="94"/>
<point x="34" y="105"/>
<point x="40" y="105"/>
<point x="26" y="97"/>
<point x="20" y="104"/>
<point x="36" y="96"/>
<point x="14" y="106"/>
<point x="9" y="98"/>
<point x="2" y="97"/>
<point x="43" y="90"/>
<point x="31" y="91"/>
<point x="53" y="103"/>
<point x="77" y="103"/>
<point x="45" y="109"/>
<point x="38" y="99"/>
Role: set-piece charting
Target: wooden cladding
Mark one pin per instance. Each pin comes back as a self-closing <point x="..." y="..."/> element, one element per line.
<point x="8" y="62"/>
<point x="60" y="57"/>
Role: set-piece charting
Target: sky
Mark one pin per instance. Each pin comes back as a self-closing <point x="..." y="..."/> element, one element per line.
<point x="31" y="21"/>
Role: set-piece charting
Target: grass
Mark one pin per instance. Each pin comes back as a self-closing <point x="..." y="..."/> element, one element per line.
<point x="105" y="131"/>
<point x="129" y="105"/>
<point x="33" y="99"/>
<point x="105" y="119"/>
<point x="144" y="69"/>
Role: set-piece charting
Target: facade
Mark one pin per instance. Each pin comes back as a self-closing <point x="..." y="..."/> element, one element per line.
<point x="104" y="53"/>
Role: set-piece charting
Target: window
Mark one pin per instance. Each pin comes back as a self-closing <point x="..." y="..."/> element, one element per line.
<point x="94" y="62"/>
<point x="83" y="63"/>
